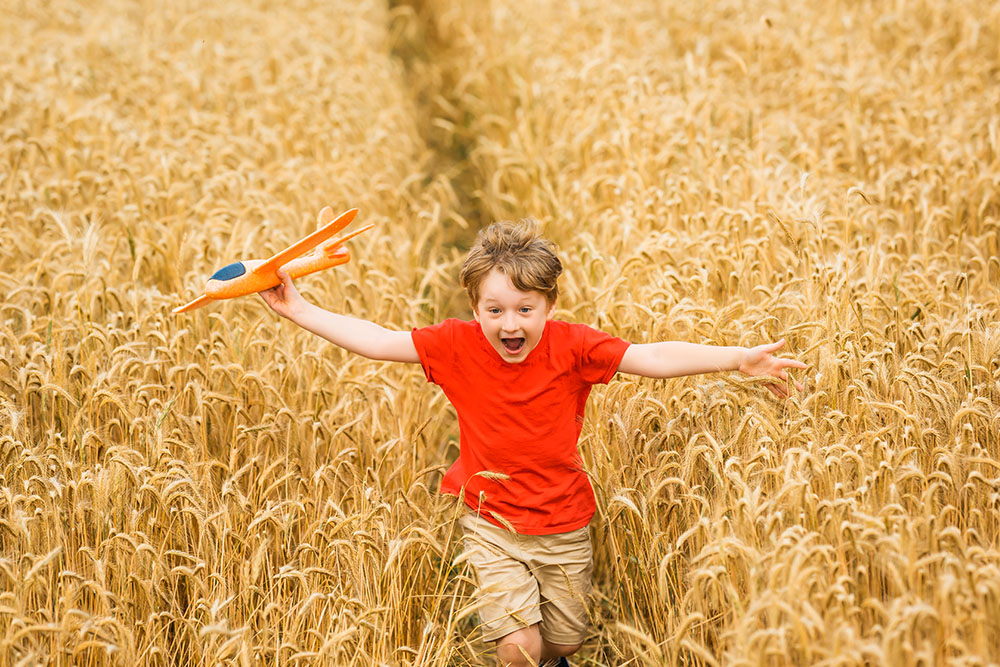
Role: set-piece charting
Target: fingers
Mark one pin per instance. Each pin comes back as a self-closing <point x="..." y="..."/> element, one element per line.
<point x="289" y="291"/>
<point x="282" y="297"/>
<point x="790" y="381"/>
<point x="777" y="390"/>
<point x="770" y="348"/>
<point x="789" y="363"/>
<point x="273" y="296"/>
<point x="792" y="363"/>
<point x="773" y="347"/>
<point x="768" y="364"/>
<point x="781" y="389"/>
<point x="270" y="295"/>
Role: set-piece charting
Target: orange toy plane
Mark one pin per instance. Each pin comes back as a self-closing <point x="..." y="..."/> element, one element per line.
<point x="256" y="275"/>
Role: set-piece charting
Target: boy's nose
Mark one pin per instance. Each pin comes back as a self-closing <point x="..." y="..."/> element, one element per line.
<point x="509" y="322"/>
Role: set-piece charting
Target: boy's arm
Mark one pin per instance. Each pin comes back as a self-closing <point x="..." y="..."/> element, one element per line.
<point x="675" y="359"/>
<point x="354" y="335"/>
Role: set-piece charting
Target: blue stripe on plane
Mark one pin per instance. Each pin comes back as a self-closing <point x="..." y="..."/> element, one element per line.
<point x="229" y="272"/>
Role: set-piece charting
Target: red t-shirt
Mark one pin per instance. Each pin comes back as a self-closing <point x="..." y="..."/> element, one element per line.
<point x="521" y="420"/>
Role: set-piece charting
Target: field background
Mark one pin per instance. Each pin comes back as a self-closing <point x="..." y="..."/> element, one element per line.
<point x="222" y="488"/>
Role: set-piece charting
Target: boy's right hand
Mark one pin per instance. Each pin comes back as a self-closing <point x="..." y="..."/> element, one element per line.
<point x="283" y="299"/>
<point x="353" y="334"/>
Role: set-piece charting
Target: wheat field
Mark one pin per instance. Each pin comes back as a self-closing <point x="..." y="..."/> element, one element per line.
<point x="220" y="488"/>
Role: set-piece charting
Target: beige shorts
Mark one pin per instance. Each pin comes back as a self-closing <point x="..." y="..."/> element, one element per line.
<point x="528" y="579"/>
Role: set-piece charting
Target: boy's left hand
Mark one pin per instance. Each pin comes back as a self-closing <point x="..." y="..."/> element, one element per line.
<point x="760" y="361"/>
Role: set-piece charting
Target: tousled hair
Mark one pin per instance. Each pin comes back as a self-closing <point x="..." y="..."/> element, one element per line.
<point x="519" y="252"/>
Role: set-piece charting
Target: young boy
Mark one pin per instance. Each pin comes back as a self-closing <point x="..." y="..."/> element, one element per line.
<point x="519" y="381"/>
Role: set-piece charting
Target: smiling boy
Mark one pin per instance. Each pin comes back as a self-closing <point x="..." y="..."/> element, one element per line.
<point x="519" y="381"/>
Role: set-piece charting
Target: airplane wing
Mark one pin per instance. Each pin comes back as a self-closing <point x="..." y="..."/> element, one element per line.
<point x="311" y="241"/>
<point x="200" y="302"/>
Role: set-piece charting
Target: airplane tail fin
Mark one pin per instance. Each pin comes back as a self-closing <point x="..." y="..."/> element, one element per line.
<point x="334" y="246"/>
<point x="308" y="243"/>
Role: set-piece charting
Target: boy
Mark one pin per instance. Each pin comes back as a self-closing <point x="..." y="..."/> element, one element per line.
<point x="519" y="381"/>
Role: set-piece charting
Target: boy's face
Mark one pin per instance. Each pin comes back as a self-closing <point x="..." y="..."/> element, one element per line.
<point x="512" y="320"/>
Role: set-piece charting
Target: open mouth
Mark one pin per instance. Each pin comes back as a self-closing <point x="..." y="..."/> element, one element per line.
<point x="512" y="345"/>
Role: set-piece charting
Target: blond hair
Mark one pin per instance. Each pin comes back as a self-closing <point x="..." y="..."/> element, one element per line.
<point x="518" y="251"/>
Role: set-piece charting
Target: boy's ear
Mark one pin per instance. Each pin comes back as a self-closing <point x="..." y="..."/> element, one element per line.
<point x="475" y="312"/>
<point x="551" y="311"/>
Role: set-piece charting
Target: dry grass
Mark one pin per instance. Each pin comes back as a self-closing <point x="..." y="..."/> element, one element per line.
<point x="222" y="489"/>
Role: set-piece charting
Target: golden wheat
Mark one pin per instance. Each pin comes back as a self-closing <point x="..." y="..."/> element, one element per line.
<point x="221" y="489"/>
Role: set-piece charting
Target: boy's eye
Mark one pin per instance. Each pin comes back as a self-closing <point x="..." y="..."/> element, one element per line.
<point x="493" y="311"/>
<point x="525" y="309"/>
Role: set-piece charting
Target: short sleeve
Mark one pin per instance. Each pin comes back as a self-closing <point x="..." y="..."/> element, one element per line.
<point x="600" y="355"/>
<point x="435" y="347"/>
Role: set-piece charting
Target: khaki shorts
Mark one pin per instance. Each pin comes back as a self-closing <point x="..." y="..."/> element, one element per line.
<point x="528" y="579"/>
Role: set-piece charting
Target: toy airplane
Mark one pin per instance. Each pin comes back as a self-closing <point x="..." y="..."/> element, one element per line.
<point x="256" y="275"/>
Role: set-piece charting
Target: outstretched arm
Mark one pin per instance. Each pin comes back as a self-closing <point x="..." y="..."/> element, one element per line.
<point x="354" y="335"/>
<point x="675" y="359"/>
